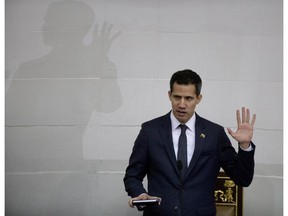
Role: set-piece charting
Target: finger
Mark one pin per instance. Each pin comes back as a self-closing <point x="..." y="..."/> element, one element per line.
<point x="96" y="27"/>
<point x="153" y="197"/>
<point x="103" y="30"/>
<point x="238" y="117"/>
<point x="95" y="31"/>
<point x="115" y="35"/>
<point x="130" y="203"/>
<point x="106" y="30"/>
<point x="253" y="120"/>
<point x="247" y="115"/>
<point x="143" y="196"/>
<point x="109" y="29"/>
<point x="243" y="115"/>
<point x="104" y="26"/>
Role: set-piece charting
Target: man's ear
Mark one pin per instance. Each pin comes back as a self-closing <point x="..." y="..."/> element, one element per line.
<point x="199" y="98"/>
<point x="169" y="94"/>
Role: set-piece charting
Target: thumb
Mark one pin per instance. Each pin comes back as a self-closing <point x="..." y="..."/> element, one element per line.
<point x="230" y="131"/>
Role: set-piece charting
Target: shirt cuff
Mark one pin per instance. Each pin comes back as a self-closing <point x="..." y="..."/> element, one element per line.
<point x="250" y="148"/>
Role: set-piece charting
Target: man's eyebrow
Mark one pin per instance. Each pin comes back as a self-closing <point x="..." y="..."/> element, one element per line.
<point x="189" y="96"/>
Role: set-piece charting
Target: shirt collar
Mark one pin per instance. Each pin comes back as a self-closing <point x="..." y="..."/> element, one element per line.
<point x="175" y="123"/>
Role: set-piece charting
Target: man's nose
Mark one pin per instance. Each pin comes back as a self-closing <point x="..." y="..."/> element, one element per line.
<point x="182" y="103"/>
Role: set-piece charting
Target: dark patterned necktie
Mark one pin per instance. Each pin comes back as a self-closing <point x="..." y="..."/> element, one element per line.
<point x="182" y="149"/>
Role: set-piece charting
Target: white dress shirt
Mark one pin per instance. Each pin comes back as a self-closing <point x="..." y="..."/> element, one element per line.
<point x="190" y="133"/>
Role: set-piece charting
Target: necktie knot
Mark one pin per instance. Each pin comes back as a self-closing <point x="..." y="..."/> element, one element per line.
<point x="183" y="128"/>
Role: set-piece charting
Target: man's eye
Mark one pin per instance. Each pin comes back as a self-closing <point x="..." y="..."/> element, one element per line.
<point x="189" y="98"/>
<point x="177" y="97"/>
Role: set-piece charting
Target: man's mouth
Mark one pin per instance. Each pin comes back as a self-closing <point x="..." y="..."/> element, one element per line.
<point x="181" y="113"/>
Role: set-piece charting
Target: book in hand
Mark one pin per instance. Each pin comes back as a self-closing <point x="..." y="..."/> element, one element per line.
<point x="147" y="202"/>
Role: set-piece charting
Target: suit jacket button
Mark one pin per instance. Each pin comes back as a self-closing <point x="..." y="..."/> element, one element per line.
<point x="176" y="208"/>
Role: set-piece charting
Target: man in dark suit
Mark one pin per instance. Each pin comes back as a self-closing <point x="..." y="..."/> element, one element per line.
<point x="184" y="182"/>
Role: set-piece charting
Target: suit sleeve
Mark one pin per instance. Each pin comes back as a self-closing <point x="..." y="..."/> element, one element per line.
<point x="136" y="170"/>
<point x="238" y="166"/>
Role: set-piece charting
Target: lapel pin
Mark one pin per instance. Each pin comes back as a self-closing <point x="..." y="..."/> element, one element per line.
<point x="202" y="135"/>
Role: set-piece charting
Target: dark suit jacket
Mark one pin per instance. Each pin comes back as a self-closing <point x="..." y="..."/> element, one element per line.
<point x="153" y="155"/>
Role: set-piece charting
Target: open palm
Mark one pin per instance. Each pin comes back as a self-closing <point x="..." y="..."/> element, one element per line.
<point x="244" y="132"/>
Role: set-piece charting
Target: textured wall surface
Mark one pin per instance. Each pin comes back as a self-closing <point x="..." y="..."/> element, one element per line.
<point x="81" y="77"/>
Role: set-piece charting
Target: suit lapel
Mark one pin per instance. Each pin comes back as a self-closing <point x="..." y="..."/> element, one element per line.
<point x="200" y="133"/>
<point x="166" y="135"/>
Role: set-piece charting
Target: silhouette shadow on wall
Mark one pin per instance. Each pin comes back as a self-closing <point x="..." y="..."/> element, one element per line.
<point x="72" y="76"/>
<point x="63" y="88"/>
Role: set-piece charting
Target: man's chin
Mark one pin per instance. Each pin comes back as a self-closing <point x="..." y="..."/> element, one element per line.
<point x="182" y="118"/>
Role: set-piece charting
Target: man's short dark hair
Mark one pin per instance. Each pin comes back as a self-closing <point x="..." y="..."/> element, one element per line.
<point x="186" y="77"/>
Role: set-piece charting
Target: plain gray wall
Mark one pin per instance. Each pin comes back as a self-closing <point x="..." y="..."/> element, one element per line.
<point x="81" y="77"/>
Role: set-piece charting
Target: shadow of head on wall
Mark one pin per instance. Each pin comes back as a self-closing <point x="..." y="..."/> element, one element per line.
<point x="80" y="74"/>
